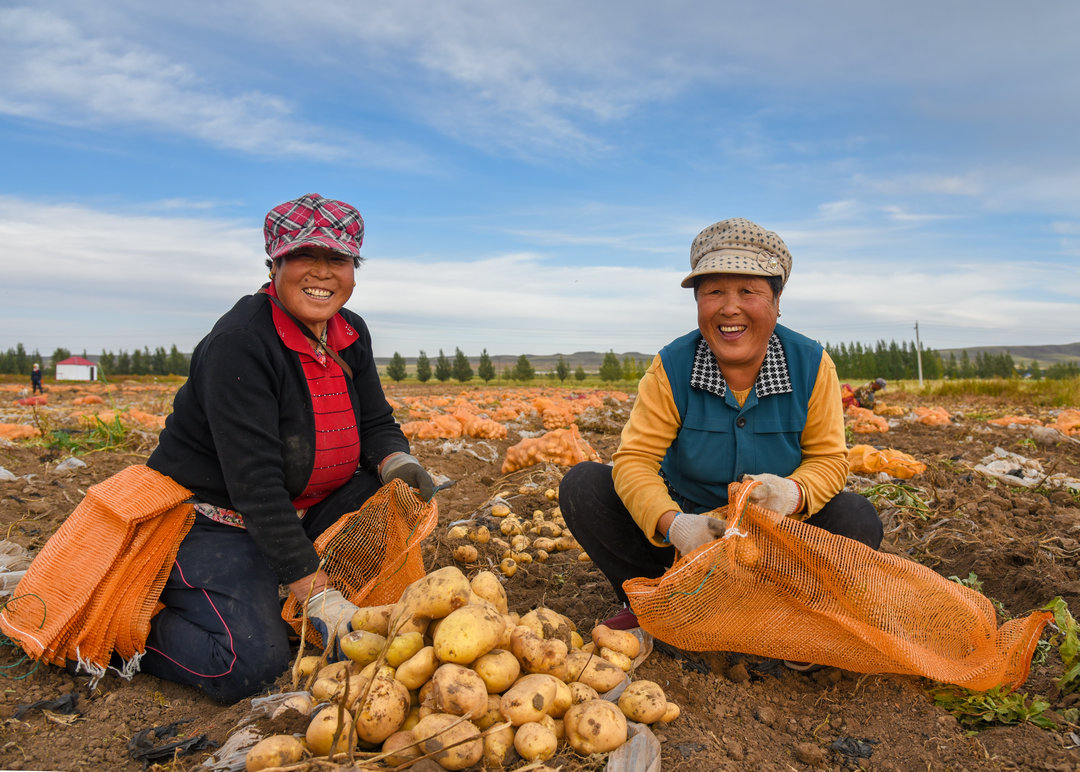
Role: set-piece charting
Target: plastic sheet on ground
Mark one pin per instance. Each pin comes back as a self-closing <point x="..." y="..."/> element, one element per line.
<point x="231" y="756"/>
<point x="1014" y="469"/>
<point x="14" y="560"/>
<point x="640" y="753"/>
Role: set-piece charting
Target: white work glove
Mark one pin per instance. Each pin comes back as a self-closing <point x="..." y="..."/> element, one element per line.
<point x="404" y="467"/>
<point x="331" y="614"/>
<point x="688" y="532"/>
<point x="780" y="494"/>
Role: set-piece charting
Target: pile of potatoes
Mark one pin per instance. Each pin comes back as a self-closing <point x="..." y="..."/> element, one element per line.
<point x="448" y="672"/>
<point x="519" y="540"/>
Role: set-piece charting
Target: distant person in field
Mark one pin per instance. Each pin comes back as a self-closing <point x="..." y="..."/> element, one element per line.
<point x="281" y="428"/>
<point x="35" y="380"/>
<point x="864" y="396"/>
<point x="739" y="397"/>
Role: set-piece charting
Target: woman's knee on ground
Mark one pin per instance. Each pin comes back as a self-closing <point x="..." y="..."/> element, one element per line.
<point x="851" y="515"/>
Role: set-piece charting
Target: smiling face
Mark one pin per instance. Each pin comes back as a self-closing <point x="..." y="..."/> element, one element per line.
<point x="737" y="315"/>
<point x="313" y="283"/>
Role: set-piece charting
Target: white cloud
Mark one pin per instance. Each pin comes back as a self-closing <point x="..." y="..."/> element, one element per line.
<point x="124" y="281"/>
<point x="56" y="72"/>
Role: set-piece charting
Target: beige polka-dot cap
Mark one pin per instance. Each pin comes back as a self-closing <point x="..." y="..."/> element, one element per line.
<point x="738" y="246"/>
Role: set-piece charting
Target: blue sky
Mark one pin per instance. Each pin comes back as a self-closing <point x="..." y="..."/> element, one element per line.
<point x="532" y="174"/>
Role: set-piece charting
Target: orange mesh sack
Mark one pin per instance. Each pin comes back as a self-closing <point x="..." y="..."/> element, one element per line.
<point x="93" y="587"/>
<point x="777" y="587"/>
<point x="372" y="554"/>
<point x="866" y="459"/>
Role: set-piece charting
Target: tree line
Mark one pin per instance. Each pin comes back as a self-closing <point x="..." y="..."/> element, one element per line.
<point x="901" y="361"/>
<point x="461" y="369"/>
<point x="853" y="361"/>
<point x="17" y="361"/>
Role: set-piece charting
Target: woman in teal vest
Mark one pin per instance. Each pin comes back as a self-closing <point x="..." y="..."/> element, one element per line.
<point x="739" y="396"/>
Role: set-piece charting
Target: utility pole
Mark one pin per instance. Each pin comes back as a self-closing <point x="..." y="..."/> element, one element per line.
<point x="918" y="352"/>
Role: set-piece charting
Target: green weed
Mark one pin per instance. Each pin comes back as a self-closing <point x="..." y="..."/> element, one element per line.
<point x="975" y="583"/>
<point x="1067" y="639"/>
<point x="981" y="710"/>
<point x="900" y="495"/>
<point x="100" y="436"/>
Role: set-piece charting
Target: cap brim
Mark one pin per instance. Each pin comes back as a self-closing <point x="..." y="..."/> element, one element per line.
<point x="316" y="240"/>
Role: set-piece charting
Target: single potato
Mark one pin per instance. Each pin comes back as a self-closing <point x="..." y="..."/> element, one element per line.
<point x="453" y="742"/>
<point x="535" y="742"/>
<point x="643" y="701"/>
<point x="275" y="751"/>
<point x="595" y="726"/>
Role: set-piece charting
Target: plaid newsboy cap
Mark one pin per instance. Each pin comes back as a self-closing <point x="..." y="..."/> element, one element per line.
<point x="313" y="220"/>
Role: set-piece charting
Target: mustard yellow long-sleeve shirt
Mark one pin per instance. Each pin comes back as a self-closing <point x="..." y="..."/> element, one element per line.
<point x="654" y="423"/>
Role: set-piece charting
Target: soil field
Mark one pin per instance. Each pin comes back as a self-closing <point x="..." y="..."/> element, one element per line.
<point x="738" y="712"/>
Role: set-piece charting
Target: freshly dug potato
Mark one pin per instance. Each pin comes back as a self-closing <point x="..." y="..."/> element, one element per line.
<point x="535" y="742"/>
<point x="328" y="690"/>
<point x="439" y="731"/>
<point x="508" y="567"/>
<point x="432" y="596"/>
<point x="374" y="619"/>
<point x="275" y="751"/>
<point x="330" y="721"/>
<point x="493" y="715"/>
<point x="595" y="726"/>
<point x="403" y="647"/>
<point x="622" y="641"/>
<point x="361" y="646"/>
<point x="530" y="698"/>
<point x="593" y="670"/>
<point x="538" y="655"/>
<point x="308" y="665"/>
<point x="457" y="532"/>
<point x="549" y="624"/>
<point x="670" y="713"/>
<point x="338" y="671"/>
<point x="499" y="748"/>
<point x="384" y="709"/>
<point x="458" y="690"/>
<point x="499" y="668"/>
<point x="417" y="669"/>
<point x="467" y="633"/>
<point x="466" y="553"/>
<point x="643" y="701"/>
<point x="581" y="692"/>
<point x="544" y="543"/>
<point x="564" y="698"/>
<point x="500" y="510"/>
<point x="617" y="658"/>
<point x="401" y="746"/>
<point x="482" y="535"/>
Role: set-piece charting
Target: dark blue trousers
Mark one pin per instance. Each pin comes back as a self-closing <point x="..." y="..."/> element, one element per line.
<point x="605" y="530"/>
<point x="221" y="630"/>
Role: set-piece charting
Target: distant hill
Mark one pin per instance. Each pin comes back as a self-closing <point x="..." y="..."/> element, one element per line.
<point x="1044" y="355"/>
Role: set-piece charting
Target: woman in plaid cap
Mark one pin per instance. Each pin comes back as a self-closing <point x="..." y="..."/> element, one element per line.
<point x="281" y="428"/>
<point x="740" y="396"/>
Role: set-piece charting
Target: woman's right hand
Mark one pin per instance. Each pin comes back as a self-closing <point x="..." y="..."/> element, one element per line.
<point x="688" y="532"/>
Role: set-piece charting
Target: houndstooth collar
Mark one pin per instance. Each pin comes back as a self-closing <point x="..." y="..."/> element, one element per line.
<point x="773" y="377"/>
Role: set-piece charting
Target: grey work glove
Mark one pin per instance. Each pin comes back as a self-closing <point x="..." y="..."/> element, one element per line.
<point x="688" y="532"/>
<point x="330" y="614"/>
<point x="780" y="494"/>
<point x="402" y="466"/>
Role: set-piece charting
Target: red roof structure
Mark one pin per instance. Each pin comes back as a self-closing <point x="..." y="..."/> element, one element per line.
<point x="77" y="361"/>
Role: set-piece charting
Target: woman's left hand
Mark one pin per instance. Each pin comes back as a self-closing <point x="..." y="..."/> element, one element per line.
<point x="780" y="494"/>
<point x="402" y="466"/>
